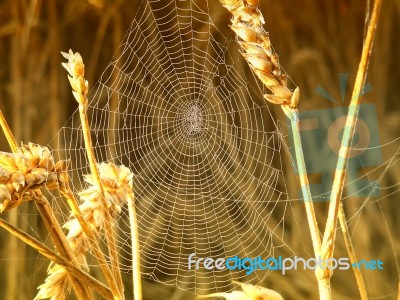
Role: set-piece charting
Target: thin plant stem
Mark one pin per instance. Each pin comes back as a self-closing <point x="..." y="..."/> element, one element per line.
<point x="352" y="254"/>
<point x="80" y="88"/>
<point x="108" y="224"/>
<point x="83" y="276"/>
<point x="328" y="242"/>
<point x="398" y="291"/>
<point x="293" y="115"/>
<point x="137" y="284"/>
<point x="7" y="132"/>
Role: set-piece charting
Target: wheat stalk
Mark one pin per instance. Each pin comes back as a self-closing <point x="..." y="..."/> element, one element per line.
<point x="75" y="68"/>
<point x="33" y="166"/>
<point x="83" y="276"/>
<point x="7" y="132"/>
<point x="80" y="86"/>
<point x="335" y="209"/>
<point x="90" y="233"/>
<point x="247" y="23"/>
<point x="137" y="285"/>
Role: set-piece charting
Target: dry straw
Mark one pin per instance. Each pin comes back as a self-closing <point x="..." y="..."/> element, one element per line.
<point x="335" y="208"/>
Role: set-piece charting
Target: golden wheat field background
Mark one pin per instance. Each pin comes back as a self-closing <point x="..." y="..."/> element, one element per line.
<point x="317" y="42"/>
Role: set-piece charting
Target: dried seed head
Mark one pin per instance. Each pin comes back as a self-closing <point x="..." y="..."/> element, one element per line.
<point x="56" y="286"/>
<point x="254" y="40"/>
<point x="4" y="175"/>
<point x="266" y="44"/>
<point x="5" y="195"/>
<point x="251" y="48"/>
<point x="294" y="101"/>
<point x="248" y="14"/>
<point x="8" y="161"/>
<point x="76" y="71"/>
<point x="32" y="167"/>
<point x="267" y="78"/>
<point x="17" y="180"/>
<point x="117" y="189"/>
<point x="74" y="66"/>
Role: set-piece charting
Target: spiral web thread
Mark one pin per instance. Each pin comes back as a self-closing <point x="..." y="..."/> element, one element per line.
<point x="175" y="107"/>
<point x="205" y="156"/>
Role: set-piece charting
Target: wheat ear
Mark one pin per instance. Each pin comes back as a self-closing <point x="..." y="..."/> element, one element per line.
<point x="247" y="23"/>
<point x="20" y="173"/>
<point x="117" y="187"/>
<point x="254" y="41"/>
<point x="80" y="86"/>
<point x="30" y="167"/>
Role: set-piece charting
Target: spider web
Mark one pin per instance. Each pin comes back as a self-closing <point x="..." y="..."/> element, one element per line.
<point x="204" y="149"/>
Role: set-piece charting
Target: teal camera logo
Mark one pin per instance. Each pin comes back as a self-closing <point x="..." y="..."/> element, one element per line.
<point x="321" y="134"/>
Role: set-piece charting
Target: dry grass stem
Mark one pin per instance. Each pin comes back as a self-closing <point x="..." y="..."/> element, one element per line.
<point x="137" y="284"/>
<point x="340" y="173"/>
<point x="249" y="292"/>
<point x="80" y="86"/>
<point x="84" y="277"/>
<point x="398" y="291"/>
<point x="7" y="132"/>
<point x="352" y="254"/>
